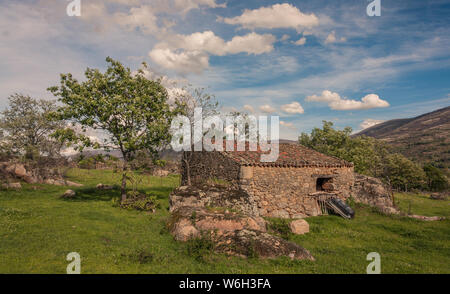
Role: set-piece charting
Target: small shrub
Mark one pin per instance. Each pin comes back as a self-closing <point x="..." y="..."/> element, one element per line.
<point x="87" y="163"/>
<point x="141" y="202"/>
<point x="251" y="252"/>
<point x="280" y="227"/>
<point x="193" y="217"/>
<point x="201" y="247"/>
<point x="115" y="201"/>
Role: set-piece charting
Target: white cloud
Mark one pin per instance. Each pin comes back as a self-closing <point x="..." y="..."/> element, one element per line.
<point x="200" y="44"/>
<point x="276" y="16"/>
<point x="284" y="37"/>
<point x="286" y="124"/>
<point x="187" y="5"/>
<point x="335" y="101"/>
<point x="207" y="41"/>
<point x="292" y="108"/>
<point x="249" y="108"/>
<point x="300" y="41"/>
<point x="367" y="123"/>
<point x="140" y="14"/>
<point x="182" y="62"/>
<point x="252" y="43"/>
<point x="142" y="17"/>
<point x="331" y="38"/>
<point x="266" y="108"/>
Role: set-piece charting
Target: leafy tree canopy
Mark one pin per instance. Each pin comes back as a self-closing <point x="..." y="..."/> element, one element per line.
<point x="131" y="110"/>
<point x="26" y="128"/>
<point x="370" y="156"/>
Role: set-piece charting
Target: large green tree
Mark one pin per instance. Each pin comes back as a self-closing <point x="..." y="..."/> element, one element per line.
<point x="130" y="110"/>
<point x="436" y="179"/>
<point x="370" y="156"/>
<point x="403" y="173"/>
<point x="366" y="153"/>
<point x="26" y="127"/>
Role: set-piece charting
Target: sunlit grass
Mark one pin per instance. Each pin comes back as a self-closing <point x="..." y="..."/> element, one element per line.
<point x="38" y="229"/>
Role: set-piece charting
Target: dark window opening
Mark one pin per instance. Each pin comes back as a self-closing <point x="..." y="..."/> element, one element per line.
<point x="324" y="184"/>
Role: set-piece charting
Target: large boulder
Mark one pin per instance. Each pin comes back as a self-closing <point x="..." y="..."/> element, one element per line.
<point x="371" y="191"/>
<point x="214" y="219"/>
<point x="19" y="171"/>
<point x="232" y="233"/>
<point x="246" y="243"/>
<point x="299" y="227"/>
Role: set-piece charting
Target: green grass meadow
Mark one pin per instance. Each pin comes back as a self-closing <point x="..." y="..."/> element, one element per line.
<point x="38" y="229"/>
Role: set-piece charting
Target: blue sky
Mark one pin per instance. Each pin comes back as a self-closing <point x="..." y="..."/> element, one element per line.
<point x="306" y="61"/>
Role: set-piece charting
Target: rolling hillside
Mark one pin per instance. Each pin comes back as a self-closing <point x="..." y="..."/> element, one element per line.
<point x="425" y="138"/>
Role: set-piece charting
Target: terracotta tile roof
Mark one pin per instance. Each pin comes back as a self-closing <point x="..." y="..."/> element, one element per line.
<point x="290" y="155"/>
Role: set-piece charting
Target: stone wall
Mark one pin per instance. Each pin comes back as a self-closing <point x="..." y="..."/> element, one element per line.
<point x="288" y="192"/>
<point x="212" y="196"/>
<point x="205" y="165"/>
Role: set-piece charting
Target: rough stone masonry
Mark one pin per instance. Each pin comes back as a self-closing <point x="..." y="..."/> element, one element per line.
<point x="291" y="187"/>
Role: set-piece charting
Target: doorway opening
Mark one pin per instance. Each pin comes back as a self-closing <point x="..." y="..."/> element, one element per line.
<point x="324" y="184"/>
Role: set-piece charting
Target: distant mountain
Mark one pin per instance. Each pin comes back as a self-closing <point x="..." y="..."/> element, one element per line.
<point x="425" y="138"/>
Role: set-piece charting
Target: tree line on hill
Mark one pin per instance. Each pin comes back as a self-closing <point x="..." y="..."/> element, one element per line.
<point x="373" y="157"/>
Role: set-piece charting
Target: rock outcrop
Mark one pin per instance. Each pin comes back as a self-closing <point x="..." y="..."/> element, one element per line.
<point x="256" y="243"/>
<point x="233" y="233"/>
<point x="17" y="171"/>
<point x="32" y="175"/>
<point x="371" y="191"/>
<point x="218" y="220"/>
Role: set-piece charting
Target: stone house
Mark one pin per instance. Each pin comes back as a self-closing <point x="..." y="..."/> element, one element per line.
<point x="294" y="186"/>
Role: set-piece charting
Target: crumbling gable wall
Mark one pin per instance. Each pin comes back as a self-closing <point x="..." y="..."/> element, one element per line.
<point x="205" y="165"/>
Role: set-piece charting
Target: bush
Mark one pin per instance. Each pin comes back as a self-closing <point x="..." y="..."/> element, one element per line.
<point x="280" y="227"/>
<point x="138" y="201"/>
<point x="87" y="163"/>
<point x="200" y="247"/>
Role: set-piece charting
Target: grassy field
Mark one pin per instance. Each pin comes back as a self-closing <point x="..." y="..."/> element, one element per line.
<point x="38" y="229"/>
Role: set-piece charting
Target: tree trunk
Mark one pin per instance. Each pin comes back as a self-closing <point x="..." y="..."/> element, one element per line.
<point x="123" y="188"/>
<point x="188" y="172"/>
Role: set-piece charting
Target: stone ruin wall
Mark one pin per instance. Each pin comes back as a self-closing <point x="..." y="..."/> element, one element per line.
<point x="210" y="165"/>
<point x="284" y="191"/>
